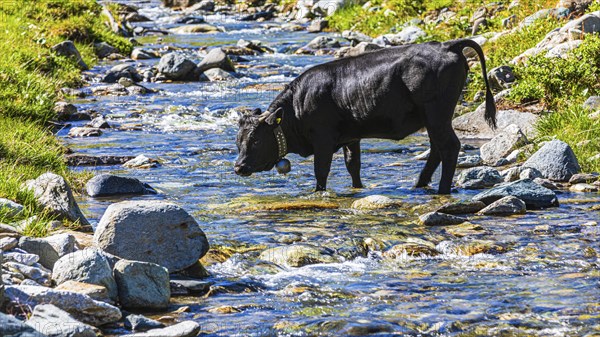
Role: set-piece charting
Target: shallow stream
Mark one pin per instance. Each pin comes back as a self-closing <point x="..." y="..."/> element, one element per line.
<point x="536" y="274"/>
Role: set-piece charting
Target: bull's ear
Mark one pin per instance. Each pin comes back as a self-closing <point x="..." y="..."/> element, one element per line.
<point x="257" y="112"/>
<point x="275" y="117"/>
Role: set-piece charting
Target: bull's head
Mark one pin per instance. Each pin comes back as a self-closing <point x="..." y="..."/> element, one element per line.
<point x="256" y="141"/>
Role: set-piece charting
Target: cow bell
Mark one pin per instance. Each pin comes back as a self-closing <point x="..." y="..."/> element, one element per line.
<point x="283" y="166"/>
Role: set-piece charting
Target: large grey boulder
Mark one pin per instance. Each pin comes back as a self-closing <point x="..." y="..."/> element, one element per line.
<point x="69" y="50"/>
<point x="54" y="322"/>
<point x="88" y="266"/>
<point x="107" y="185"/>
<point x="49" y="249"/>
<point x="142" y="285"/>
<point x="81" y="307"/>
<point x="589" y="23"/>
<point x="502" y="145"/>
<point x="555" y="160"/>
<point x="183" y="329"/>
<point x="175" y="66"/>
<point x="216" y="58"/>
<point x="151" y="231"/>
<point x="12" y="327"/>
<point x="534" y="195"/>
<point x="39" y="275"/>
<point x="322" y="42"/>
<point x="55" y="195"/>
<point x="479" y="177"/>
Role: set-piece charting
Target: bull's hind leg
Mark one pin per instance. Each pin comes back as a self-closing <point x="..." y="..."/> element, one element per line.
<point x="352" y="159"/>
<point x="439" y="127"/>
<point x="430" y="166"/>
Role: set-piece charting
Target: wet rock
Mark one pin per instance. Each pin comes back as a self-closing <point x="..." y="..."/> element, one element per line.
<point x="479" y="177"/>
<point x="187" y="287"/>
<point x="141" y="323"/>
<point x="546" y="183"/>
<point x="91" y="160"/>
<point x="469" y="161"/>
<point x="261" y="15"/>
<point x="141" y="162"/>
<point x="143" y="54"/>
<point x="183" y="329"/>
<point x="84" y="132"/>
<point x="534" y="195"/>
<point x="217" y="74"/>
<point x="49" y="249"/>
<point x="374" y="202"/>
<point x="142" y="285"/>
<point x="12" y="327"/>
<point x="125" y="70"/>
<point x="8" y="243"/>
<point x="440" y="219"/>
<point x="466" y="207"/>
<point x="583" y="178"/>
<point x="88" y="266"/>
<point x="98" y="123"/>
<point x="81" y="307"/>
<point x="216" y="58"/>
<point x="54" y="322"/>
<point x="583" y="187"/>
<point x="506" y="206"/>
<point x="410" y="249"/>
<point x="317" y="26"/>
<point x="54" y="194"/>
<point x="64" y="110"/>
<point x="197" y="28"/>
<point x="555" y="160"/>
<point x="107" y="184"/>
<point x="171" y="237"/>
<point x="68" y="49"/>
<point x="179" y="3"/>
<point x="175" y="66"/>
<point x="298" y="255"/>
<point x="204" y="5"/>
<point x="96" y="292"/>
<point x="39" y="275"/>
<point x="409" y="34"/>
<point x="361" y="48"/>
<point x="104" y="49"/>
<point x="423" y="155"/>
<point x="10" y="208"/>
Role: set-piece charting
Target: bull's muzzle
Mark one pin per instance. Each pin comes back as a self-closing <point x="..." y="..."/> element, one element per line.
<point x="242" y="170"/>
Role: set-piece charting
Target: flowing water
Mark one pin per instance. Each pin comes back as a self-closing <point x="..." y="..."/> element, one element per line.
<point x="535" y="274"/>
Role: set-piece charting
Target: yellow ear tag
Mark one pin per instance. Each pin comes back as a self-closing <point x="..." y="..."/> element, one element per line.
<point x="278" y="120"/>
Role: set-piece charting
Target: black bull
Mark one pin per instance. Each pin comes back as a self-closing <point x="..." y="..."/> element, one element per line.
<point x="390" y="94"/>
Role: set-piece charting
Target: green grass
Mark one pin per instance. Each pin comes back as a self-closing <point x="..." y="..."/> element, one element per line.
<point x="32" y="75"/>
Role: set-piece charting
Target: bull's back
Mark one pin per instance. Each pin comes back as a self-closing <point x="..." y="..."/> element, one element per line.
<point x="378" y="94"/>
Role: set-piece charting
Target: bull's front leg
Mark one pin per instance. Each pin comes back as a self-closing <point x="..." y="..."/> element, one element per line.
<point x="323" y="157"/>
<point x="352" y="159"/>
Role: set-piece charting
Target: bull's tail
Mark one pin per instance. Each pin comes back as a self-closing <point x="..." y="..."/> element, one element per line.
<point x="457" y="46"/>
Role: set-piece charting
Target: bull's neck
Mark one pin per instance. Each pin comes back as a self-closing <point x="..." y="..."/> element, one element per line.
<point x="290" y="127"/>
